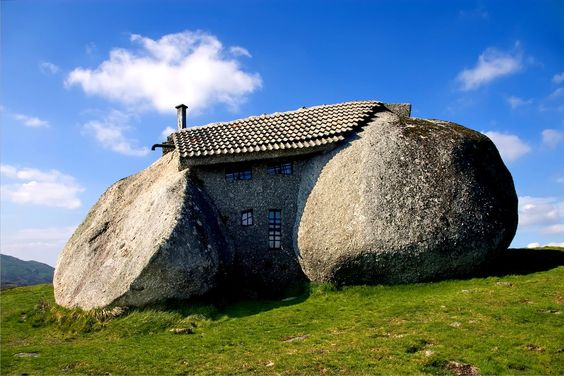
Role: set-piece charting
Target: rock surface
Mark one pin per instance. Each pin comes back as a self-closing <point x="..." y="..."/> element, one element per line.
<point x="151" y="236"/>
<point x="404" y="200"/>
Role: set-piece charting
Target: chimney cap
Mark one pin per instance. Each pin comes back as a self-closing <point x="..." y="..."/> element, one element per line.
<point x="182" y="105"/>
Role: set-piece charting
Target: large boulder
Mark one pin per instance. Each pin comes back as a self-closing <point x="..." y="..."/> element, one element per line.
<point x="405" y="200"/>
<point x="151" y="236"/>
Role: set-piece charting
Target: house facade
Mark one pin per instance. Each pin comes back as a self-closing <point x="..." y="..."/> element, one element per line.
<point x="252" y="169"/>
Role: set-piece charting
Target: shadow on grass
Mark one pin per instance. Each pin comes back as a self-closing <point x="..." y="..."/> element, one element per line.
<point x="252" y="307"/>
<point x="522" y="261"/>
<point x="221" y="303"/>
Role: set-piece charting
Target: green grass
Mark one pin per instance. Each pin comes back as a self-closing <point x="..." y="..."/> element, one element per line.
<point x="507" y="323"/>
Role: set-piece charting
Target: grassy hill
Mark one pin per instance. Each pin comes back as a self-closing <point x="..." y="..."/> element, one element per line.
<point x="16" y="272"/>
<point x="507" y="321"/>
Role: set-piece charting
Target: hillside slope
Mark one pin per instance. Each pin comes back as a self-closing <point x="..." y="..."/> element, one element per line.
<point x="16" y="272"/>
<point x="507" y="321"/>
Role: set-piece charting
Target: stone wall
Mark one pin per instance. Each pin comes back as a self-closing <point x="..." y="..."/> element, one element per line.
<point x="256" y="267"/>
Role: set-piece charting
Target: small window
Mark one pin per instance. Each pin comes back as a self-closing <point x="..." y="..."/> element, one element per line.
<point x="241" y="173"/>
<point x="274" y="229"/>
<point x="284" y="168"/>
<point x="247" y="218"/>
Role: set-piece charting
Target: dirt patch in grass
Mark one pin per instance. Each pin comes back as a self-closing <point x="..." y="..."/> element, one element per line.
<point x="461" y="369"/>
<point x="294" y="338"/>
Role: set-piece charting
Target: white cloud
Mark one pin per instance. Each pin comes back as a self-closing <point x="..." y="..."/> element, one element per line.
<point x="167" y="131"/>
<point x="492" y="64"/>
<point x="556" y="93"/>
<point x="554" y="229"/>
<point x="240" y="51"/>
<point x="510" y="146"/>
<point x="538" y="245"/>
<point x="188" y="67"/>
<point x="48" y="68"/>
<point x="558" y="78"/>
<point x="40" y="244"/>
<point x="560" y="179"/>
<point x="516" y="102"/>
<point x="551" y="138"/>
<point x="111" y="131"/>
<point x="37" y="187"/>
<point x="31" y="121"/>
<point x="541" y="211"/>
<point x="553" y="102"/>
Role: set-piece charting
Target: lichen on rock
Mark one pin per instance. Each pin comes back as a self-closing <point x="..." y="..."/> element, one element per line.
<point x="404" y="200"/>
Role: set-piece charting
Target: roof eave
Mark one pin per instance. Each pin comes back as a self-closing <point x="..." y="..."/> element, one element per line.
<point x="247" y="157"/>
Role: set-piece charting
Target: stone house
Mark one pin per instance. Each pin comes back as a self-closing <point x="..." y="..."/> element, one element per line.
<point x="252" y="169"/>
<point x="350" y="193"/>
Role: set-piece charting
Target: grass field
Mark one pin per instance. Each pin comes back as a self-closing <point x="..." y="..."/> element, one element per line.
<point x="507" y="321"/>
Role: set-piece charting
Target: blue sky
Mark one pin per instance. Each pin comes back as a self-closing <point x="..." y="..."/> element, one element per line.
<point x="88" y="86"/>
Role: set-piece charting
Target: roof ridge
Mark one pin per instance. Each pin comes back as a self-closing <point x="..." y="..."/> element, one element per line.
<point x="272" y="114"/>
<point x="297" y="129"/>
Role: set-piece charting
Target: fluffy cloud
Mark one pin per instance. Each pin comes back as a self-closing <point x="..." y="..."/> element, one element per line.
<point x="516" y="102"/>
<point x="33" y="186"/>
<point x="558" y="78"/>
<point x="543" y="215"/>
<point x="188" y="67"/>
<point x="48" y="68"/>
<point x="537" y="245"/>
<point x="540" y="211"/>
<point x="31" y="121"/>
<point x="492" y="64"/>
<point x="40" y="244"/>
<point x="551" y="138"/>
<point x="111" y="131"/>
<point x="510" y="146"/>
<point x="556" y="93"/>
<point x="239" y="51"/>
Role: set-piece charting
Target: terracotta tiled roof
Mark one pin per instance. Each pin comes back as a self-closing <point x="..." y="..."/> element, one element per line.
<point x="303" y="128"/>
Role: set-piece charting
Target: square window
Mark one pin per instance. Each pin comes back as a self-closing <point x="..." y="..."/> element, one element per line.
<point x="247" y="218"/>
<point x="284" y="168"/>
<point x="238" y="173"/>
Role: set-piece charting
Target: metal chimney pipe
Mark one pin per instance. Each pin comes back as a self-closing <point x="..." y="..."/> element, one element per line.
<point x="181" y="116"/>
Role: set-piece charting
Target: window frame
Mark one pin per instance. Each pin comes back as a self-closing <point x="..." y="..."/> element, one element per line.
<point x="237" y="173"/>
<point x="274" y="228"/>
<point x="285" y="168"/>
<point x="249" y="220"/>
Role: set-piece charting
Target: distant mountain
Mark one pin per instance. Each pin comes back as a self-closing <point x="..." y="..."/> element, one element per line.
<point x="16" y="272"/>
